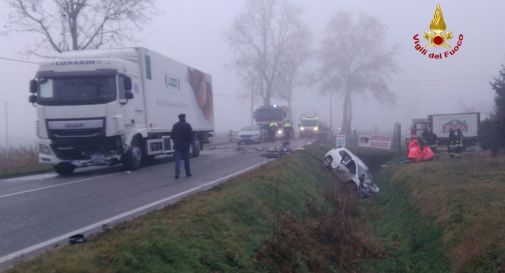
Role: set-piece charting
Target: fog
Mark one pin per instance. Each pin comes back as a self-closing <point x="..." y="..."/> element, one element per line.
<point x="192" y="31"/>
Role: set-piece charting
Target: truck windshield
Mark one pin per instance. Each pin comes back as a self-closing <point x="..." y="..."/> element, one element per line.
<point x="269" y="114"/>
<point x="77" y="90"/>
<point x="309" y="123"/>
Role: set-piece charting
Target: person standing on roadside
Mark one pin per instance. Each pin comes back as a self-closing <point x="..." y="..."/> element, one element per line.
<point x="459" y="143"/>
<point x="451" y="147"/>
<point x="288" y="129"/>
<point x="182" y="136"/>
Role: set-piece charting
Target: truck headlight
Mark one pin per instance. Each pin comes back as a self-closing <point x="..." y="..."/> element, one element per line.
<point x="44" y="149"/>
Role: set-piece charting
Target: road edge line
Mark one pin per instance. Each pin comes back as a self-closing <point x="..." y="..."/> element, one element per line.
<point x="20" y="254"/>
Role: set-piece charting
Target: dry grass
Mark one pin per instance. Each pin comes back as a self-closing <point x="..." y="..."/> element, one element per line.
<point x="21" y="160"/>
<point x="466" y="197"/>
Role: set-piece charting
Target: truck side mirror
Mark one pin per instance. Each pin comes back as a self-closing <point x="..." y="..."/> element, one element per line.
<point x="128" y="95"/>
<point x="32" y="99"/>
<point x="33" y="86"/>
<point x="128" y="84"/>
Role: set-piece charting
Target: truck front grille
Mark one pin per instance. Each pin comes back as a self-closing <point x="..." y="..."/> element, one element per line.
<point x="84" y="148"/>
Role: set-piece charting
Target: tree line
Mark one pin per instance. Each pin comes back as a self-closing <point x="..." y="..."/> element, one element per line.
<point x="492" y="129"/>
<point x="270" y="41"/>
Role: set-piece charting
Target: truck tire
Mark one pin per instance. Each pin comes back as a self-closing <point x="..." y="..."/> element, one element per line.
<point x="195" y="149"/>
<point x="64" y="169"/>
<point x="132" y="160"/>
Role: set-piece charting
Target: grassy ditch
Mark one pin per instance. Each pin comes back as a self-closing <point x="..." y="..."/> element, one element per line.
<point x="21" y="161"/>
<point x="284" y="217"/>
<point x="442" y="216"/>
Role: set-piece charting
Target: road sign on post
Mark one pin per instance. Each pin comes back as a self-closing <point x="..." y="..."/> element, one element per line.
<point x="373" y="141"/>
<point x="340" y="141"/>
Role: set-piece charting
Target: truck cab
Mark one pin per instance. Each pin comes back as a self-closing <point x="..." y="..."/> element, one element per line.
<point x="86" y="111"/>
<point x="105" y="107"/>
<point x="309" y="125"/>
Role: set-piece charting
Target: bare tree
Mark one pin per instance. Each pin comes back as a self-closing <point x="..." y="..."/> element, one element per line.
<point x="355" y="60"/>
<point x="270" y="43"/>
<point x="64" y="25"/>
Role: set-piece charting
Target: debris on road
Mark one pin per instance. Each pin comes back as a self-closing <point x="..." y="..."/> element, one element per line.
<point x="76" y="239"/>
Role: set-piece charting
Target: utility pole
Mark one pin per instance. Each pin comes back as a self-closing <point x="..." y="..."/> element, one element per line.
<point x="252" y="102"/>
<point x="331" y="109"/>
<point x="6" y="126"/>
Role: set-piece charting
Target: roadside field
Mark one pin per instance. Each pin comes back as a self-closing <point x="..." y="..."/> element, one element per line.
<point x="20" y="161"/>
<point x="447" y="215"/>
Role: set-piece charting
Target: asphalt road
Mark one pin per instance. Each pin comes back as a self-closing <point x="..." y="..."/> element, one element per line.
<point x="38" y="212"/>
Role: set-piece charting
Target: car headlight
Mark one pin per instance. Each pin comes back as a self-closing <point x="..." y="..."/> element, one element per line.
<point x="302" y="129"/>
<point x="316" y="128"/>
<point x="44" y="149"/>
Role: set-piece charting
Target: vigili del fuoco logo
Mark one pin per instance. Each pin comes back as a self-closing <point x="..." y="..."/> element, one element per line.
<point x="438" y="37"/>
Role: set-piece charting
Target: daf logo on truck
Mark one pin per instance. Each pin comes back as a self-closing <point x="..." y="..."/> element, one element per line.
<point x="102" y="107"/>
<point x="74" y="125"/>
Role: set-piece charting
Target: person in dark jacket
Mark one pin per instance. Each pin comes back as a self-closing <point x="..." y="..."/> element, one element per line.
<point x="451" y="148"/>
<point x="430" y="138"/>
<point x="459" y="143"/>
<point x="182" y="136"/>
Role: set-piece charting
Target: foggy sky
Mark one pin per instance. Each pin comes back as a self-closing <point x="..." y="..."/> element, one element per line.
<point x="192" y="31"/>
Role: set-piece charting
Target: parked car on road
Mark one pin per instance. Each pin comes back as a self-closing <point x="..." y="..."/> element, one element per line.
<point x="252" y="134"/>
<point x="351" y="170"/>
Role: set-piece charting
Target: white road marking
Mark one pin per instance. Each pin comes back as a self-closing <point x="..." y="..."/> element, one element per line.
<point x="119" y="217"/>
<point x="52" y="186"/>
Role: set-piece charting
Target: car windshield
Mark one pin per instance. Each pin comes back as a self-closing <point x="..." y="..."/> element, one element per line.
<point x="250" y="128"/>
<point x="309" y="123"/>
<point x="77" y="90"/>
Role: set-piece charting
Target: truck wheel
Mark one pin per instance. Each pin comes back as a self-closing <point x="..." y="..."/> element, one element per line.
<point x="132" y="160"/>
<point x="64" y="169"/>
<point x="148" y="159"/>
<point x="195" y="149"/>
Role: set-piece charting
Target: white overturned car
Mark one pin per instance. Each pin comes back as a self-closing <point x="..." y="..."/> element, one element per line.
<point x="351" y="170"/>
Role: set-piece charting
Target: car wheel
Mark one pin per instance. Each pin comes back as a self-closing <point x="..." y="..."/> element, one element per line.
<point x="133" y="158"/>
<point x="64" y="169"/>
<point x="327" y="161"/>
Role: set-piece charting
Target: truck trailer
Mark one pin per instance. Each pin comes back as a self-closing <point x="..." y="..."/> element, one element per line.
<point x="441" y="124"/>
<point x="103" y="107"/>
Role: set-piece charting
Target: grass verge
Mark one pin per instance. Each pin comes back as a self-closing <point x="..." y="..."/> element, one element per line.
<point x="228" y="229"/>
<point x="442" y="216"/>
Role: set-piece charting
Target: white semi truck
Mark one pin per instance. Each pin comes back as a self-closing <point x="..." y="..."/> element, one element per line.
<point x="103" y="107"/>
